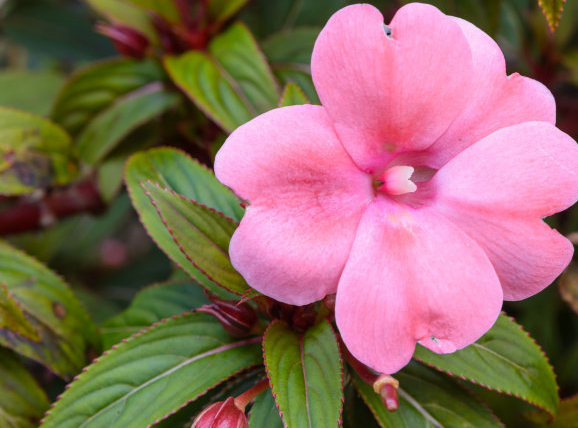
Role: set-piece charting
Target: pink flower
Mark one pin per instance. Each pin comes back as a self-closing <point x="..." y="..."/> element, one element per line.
<point x="416" y="192"/>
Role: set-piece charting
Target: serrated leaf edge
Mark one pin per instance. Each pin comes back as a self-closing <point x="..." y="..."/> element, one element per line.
<point x="133" y="197"/>
<point x="123" y="342"/>
<point x="509" y="393"/>
<point x="176" y="240"/>
<point x="552" y="21"/>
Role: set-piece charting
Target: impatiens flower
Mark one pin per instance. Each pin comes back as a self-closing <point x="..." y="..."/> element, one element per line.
<point x="416" y="192"/>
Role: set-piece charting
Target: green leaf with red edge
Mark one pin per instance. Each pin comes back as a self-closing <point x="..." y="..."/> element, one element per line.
<point x="201" y="233"/>
<point x="22" y="401"/>
<point x="305" y="372"/>
<point x="231" y="82"/>
<point x="127" y="113"/>
<point x="552" y="10"/>
<point x="505" y="359"/>
<point x="34" y="153"/>
<point x="153" y="374"/>
<point x="151" y="305"/>
<point x="292" y="96"/>
<point x="177" y="171"/>
<point x="427" y="399"/>
<point x="62" y="335"/>
<point x="96" y="87"/>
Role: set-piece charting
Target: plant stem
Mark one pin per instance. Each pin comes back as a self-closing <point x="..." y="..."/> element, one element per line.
<point x="246" y="397"/>
<point x="31" y="214"/>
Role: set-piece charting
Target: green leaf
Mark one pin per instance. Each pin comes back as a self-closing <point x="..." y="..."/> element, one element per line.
<point x="238" y="53"/>
<point x="67" y="336"/>
<point x="292" y="95"/>
<point x="201" y="79"/>
<point x="126" y="13"/>
<point x="22" y="401"/>
<point x="152" y="305"/>
<point x="32" y="91"/>
<point x="177" y="171"/>
<point x="232" y="83"/>
<point x="126" y="114"/>
<point x="567" y="416"/>
<point x="305" y="372"/>
<point x="289" y="53"/>
<point x="266" y="17"/>
<point x="221" y="10"/>
<point x="109" y="177"/>
<point x="166" y="9"/>
<point x="505" y="359"/>
<point x="52" y="31"/>
<point x="33" y="153"/>
<point x="264" y="413"/>
<point x="13" y="318"/>
<point x="292" y="46"/>
<point x="201" y="233"/>
<point x="110" y="172"/>
<point x="427" y="399"/>
<point x="96" y="87"/>
<point x="153" y="374"/>
<point x="552" y="10"/>
<point x="355" y="413"/>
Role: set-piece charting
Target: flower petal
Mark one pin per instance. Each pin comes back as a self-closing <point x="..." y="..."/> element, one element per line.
<point x="499" y="189"/>
<point x="497" y="101"/>
<point x="413" y="276"/>
<point x="528" y="170"/>
<point x="384" y="94"/>
<point x="306" y="198"/>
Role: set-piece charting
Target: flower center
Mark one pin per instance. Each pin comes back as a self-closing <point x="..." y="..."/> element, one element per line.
<point x="396" y="180"/>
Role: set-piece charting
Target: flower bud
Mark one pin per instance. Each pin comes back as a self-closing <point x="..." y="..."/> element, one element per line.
<point x="127" y="41"/>
<point x="386" y="386"/>
<point x="237" y="318"/>
<point x="223" y="414"/>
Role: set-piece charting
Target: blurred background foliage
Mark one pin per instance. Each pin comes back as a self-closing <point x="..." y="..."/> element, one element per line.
<point x="59" y="59"/>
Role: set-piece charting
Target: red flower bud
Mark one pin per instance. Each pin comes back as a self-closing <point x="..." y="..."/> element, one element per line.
<point x="223" y="414"/>
<point x="386" y="386"/>
<point x="237" y="318"/>
<point x="127" y="41"/>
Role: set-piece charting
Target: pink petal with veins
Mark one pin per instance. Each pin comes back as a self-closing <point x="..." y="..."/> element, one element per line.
<point x="413" y="276"/>
<point x="306" y="198"/>
<point x="385" y="94"/>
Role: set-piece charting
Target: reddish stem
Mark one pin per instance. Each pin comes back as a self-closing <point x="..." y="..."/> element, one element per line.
<point x="29" y="214"/>
<point x="246" y="397"/>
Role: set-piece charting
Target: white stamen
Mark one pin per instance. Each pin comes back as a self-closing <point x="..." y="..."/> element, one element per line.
<point x="396" y="180"/>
